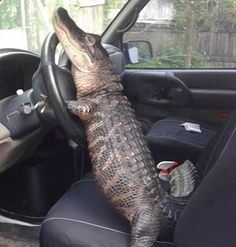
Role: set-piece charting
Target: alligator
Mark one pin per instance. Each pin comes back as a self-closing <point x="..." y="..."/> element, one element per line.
<point x="121" y="160"/>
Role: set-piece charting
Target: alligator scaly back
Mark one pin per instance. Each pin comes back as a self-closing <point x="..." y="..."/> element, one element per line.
<point x="121" y="160"/>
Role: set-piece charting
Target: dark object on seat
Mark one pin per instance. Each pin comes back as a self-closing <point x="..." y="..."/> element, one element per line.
<point x="169" y="140"/>
<point x="83" y="218"/>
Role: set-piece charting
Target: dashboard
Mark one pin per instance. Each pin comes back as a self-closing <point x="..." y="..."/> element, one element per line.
<point x="19" y="133"/>
<point x="16" y="70"/>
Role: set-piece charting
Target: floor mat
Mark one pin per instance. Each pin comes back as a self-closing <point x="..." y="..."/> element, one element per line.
<point x="12" y="235"/>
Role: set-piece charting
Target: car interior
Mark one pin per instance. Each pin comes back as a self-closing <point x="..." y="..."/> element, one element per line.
<point x="48" y="194"/>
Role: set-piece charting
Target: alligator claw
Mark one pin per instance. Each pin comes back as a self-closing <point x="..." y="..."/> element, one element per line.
<point x="72" y="106"/>
<point x="81" y="108"/>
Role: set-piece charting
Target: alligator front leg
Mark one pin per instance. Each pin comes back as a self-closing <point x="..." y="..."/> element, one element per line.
<point x="81" y="108"/>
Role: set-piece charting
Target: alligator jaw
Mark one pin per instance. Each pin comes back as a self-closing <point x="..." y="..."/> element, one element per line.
<point x="62" y="20"/>
<point x="91" y="68"/>
<point x="82" y="48"/>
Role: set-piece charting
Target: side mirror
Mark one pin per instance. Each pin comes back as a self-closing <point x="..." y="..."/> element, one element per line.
<point x="139" y="51"/>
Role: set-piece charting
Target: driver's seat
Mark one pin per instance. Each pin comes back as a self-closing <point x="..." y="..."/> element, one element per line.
<point x="82" y="217"/>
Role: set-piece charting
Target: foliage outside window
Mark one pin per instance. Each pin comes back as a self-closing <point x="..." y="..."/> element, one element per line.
<point x="25" y="23"/>
<point x="188" y="34"/>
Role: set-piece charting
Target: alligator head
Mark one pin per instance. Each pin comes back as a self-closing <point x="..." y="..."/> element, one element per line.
<point x="91" y="68"/>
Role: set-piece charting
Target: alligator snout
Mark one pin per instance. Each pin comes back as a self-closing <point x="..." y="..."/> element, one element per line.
<point x="82" y="48"/>
<point x="63" y="20"/>
<point x="91" y="68"/>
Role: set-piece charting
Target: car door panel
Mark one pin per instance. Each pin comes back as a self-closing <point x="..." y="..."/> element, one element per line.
<point x="212" y="94"/>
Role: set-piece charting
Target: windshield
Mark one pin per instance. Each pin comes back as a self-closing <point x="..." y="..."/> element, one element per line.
<point x="25" y="23"/>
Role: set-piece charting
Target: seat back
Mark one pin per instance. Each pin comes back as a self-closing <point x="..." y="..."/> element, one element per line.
<point x="214" y="149"/>
<point x="117" y="58"/>
<point x="209" y="218"/>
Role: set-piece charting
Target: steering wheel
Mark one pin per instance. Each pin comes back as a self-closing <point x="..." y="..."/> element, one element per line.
<point x="59" y="87"/>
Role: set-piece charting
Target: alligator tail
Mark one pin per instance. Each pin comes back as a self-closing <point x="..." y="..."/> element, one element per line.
<point x="146" y="227"/>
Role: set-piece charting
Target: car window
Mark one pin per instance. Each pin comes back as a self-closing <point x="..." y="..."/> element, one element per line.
<point x="183" y="34"/>
<point x="24" y="24"/>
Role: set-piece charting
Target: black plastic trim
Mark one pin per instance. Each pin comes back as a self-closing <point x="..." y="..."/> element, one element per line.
<point x="49" y="72"/>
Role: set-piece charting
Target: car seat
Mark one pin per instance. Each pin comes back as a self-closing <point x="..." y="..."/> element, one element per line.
<point x="82" y="217"/>
<point x="169" y="139"/>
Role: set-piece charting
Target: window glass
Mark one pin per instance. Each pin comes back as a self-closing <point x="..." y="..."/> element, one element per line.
<point x="183" y="34"/>
<point x="25" y="23"/>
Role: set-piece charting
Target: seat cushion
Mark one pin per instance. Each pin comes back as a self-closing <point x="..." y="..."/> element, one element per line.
<point x="82" y="217"/>
<point x="170" y="141"/>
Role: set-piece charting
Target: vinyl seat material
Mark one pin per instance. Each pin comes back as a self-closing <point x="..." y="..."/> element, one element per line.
<point x="82" y="217"/>
<point x="169" y="140"/>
